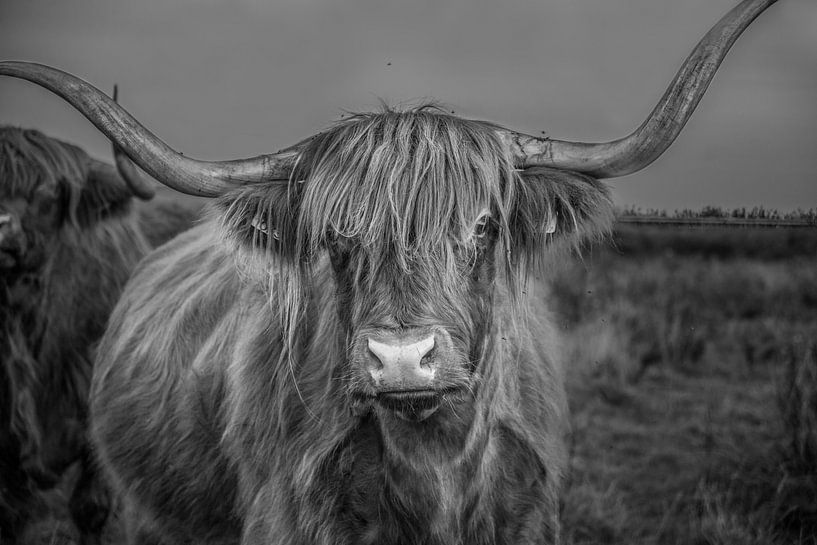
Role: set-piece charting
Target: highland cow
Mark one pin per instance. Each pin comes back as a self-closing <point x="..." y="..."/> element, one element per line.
<point x="354" y="347"/>
<point x="69" y="239"/>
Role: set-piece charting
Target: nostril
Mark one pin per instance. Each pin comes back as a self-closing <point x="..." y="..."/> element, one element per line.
<point x="374" y="351"/>
<point x="427" y="357"/>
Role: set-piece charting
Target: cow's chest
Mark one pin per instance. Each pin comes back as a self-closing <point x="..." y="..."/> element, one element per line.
<point x="499" y="496"/>
<point x="478" y="501"/>
<point x="386" y="503"/>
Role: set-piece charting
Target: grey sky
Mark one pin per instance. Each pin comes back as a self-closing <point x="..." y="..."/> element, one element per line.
<point x="221" y="80"/>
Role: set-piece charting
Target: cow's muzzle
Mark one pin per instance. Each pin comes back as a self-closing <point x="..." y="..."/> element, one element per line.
<point x="12" y="241"/>
<point x="409" y="369"/>
<point x="402" y="362"/>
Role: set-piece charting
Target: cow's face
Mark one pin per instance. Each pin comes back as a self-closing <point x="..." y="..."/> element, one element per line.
<point x="47" y="186"/>
<point x="414" y="325"/>
<point x="425" y="224"/>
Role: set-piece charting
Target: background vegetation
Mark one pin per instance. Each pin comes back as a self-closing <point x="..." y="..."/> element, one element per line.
<point x="693" y="386"/>
<point x="754" y="213"/>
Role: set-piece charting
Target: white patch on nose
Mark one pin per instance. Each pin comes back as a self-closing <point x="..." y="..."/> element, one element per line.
<point x="400" y="362"/>
<point x="401" y="355"/>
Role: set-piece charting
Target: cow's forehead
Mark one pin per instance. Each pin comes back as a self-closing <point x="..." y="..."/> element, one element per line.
<point x="411" y="178"/>
<point x="31" y="162"/>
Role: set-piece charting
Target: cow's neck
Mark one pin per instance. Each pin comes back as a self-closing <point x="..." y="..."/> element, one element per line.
<point x="422" y="472"/>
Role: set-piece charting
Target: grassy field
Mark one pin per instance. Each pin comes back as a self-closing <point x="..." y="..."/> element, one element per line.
<point x="693" y="387"/>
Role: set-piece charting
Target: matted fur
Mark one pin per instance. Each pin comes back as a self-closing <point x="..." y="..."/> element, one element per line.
<point x="220" y="400"/>
<point x="81" y="242"/>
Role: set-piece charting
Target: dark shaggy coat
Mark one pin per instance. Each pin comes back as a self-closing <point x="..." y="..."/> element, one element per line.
<point x="223" y="400"/>
<point x="79" y="239"/>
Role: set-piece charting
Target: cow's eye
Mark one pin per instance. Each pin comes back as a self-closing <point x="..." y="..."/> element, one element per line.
<point x="481" y="227"/>
<point x="44" y="202"/>
<point x="260" y="225"/>
<point x="339" y="243"/>
<point x="45" y="206"/>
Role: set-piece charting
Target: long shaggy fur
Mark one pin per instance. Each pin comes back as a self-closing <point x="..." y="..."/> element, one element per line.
<point x="220" y="399"/>
<point x="83" y="241"/>
<point x="402" y="184"/>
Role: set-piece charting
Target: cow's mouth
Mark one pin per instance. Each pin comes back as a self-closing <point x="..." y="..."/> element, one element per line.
<point x="413" y="405"/>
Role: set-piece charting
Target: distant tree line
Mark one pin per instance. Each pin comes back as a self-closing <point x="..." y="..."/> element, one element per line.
<point x="754" y="213"/>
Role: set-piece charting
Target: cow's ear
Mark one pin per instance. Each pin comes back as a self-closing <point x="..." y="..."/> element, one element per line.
<point x="558" y="206"/>
<point x="103" y="194"/>
<point x="261" y="217"/>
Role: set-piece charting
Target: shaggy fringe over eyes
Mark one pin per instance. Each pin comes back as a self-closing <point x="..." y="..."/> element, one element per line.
<point x="31" y="161"/>
<point x="406" y="188"/>
<point x="403" y="184"/>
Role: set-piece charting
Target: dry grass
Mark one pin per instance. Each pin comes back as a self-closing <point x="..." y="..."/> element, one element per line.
<point x="693" y="386"/>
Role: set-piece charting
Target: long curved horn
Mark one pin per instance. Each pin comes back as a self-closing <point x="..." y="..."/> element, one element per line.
<point x="644" y="145"/>
<point x="191" y="176"/>
<point x="140" y="187"/>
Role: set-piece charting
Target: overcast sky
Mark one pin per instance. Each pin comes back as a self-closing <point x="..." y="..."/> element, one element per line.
<point x="229" y="79"/>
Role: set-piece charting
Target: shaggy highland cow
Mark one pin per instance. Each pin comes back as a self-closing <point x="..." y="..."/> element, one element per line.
<point x="68" y="242"/>
<point x="353" y="349"/>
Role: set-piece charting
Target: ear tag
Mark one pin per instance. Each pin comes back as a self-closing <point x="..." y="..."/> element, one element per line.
<point x="551" y="226"/>
<point x="261" y="225"/>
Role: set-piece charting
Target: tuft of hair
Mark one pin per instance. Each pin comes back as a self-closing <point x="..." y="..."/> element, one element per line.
<point x="403" y="183"/>
<point x="407" y="187"/>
